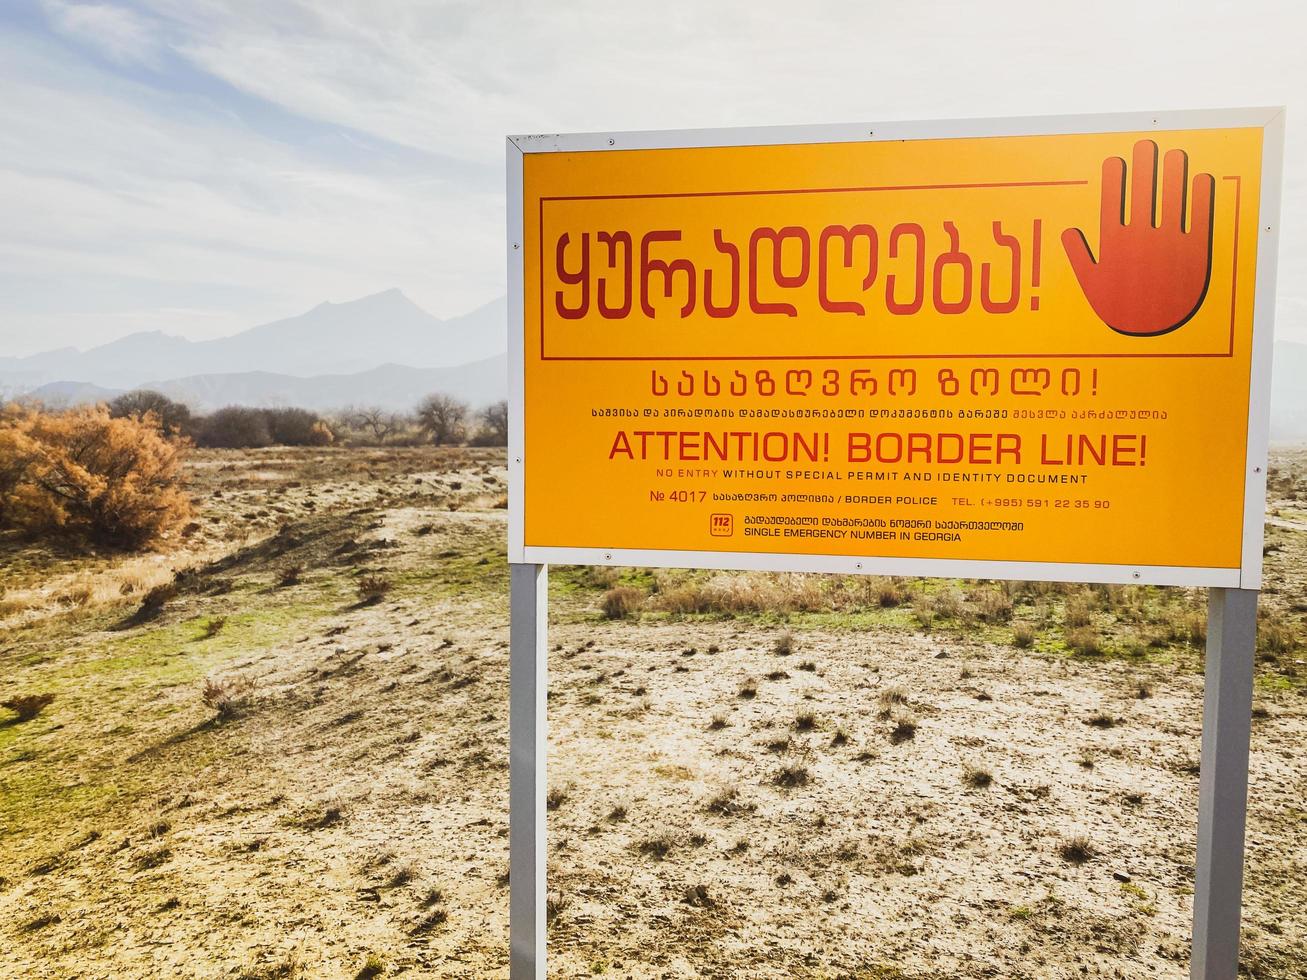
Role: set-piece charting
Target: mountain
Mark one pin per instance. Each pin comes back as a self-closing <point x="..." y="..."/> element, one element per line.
<point x="60" y="394"/>
<point x="390" y="386"/>
<point x="331" y="338"/>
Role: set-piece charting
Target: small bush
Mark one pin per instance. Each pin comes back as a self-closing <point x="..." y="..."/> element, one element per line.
<point x="28" y="706"/>
<point x="1274" y="636"/>
<point x="1190" y="627"/>
<point x="430" y="922"/>
<point x="372" y="589"/>
<point x="1023" y="636"/>
<point x="1084" y="641"/>
<point x="905" y="729"/>
<point x="297" y="427"/>
<point x="785" y="644"/>
<point x="888" y="595"/>
<point x="290" y="575"/>
<point x="1077" y="850"/>
<point x="228" y="697"/>
<point x="923" y="610"/>
<point x="1077" y="612"/>
<point x="235" y="427"/>
<point x="556" y="904"/>
<point x="214" y="626"/>
<point x="153" y="858"/>
<point x="622" y="602"/>
<point x="977" y="777"/>
<point x="84" y="474"/>
<point x="170" y="417"/>
<point x="994" y="606"/>
<point x="657" y="847"/>
<point x="697" y="896"/>
<point x="727" y="804"/>
<point x="791" y="777"/>
<point x="891" y="696"/>
<point x="947" y="604"/>
<point x="373" y="967"/>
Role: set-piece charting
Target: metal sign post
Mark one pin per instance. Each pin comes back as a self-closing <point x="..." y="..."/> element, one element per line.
<point x="528" y="682"/>
<point x="1223" y="782"/>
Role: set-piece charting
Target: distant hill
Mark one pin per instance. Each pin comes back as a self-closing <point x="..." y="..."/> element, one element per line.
<point x="390" y="386"/>
<point x="379" y="350"/>
<point x="62" y="394"/>
<point x="332" y="338"/>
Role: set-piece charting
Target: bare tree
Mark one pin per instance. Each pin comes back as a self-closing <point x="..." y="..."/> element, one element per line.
<point x="170" y="415"/>
<point x="492" y="425"/>
<point x="443" y="419"/>
<point x="377" y="421"/>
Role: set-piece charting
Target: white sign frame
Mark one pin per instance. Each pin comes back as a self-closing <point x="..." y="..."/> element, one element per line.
<point x="1232" y="611"/>
<point x="1247" y="576"/>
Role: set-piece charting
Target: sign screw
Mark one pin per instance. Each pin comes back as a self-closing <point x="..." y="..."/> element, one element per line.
<point x="611" y="142"/>
<point x="1135" y="574"/>
<point x="608" y="557"/>
<point x="1257" y="469"/>
<point x="517" y="245"/>
<point x="858" y="565"/>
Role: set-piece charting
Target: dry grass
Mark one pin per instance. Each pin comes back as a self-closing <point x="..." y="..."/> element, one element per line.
<point x="668" y="719"/>
<point x="993" y="606"/>
<point x="622" y="602"/>
<point x="1084" y="641"/>
<point x="890" y="697"/>
<point x="1077" y="612"/>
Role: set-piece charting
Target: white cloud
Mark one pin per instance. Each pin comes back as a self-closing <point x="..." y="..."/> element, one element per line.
<point x="150" y="188"/>
<point x="103" y="185"/>
<point x="120" y="33"/>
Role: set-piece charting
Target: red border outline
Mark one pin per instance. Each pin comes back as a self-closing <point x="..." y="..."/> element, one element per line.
<point x="540" y="237"/>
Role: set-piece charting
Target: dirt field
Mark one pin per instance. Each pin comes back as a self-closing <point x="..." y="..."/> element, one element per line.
<point x="755" y="776"/>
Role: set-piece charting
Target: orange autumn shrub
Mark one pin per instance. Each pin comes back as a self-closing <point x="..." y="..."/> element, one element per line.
<point x="82" y="473"/>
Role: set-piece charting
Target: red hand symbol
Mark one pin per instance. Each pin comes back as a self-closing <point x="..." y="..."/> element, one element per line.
<point x="1147" y="280"/>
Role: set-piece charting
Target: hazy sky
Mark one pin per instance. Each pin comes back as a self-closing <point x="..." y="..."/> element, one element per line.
<point x="200" y="166"/>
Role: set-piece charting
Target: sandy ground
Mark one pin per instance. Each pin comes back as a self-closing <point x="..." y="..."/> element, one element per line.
<point x="719" y="808"/>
